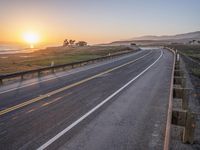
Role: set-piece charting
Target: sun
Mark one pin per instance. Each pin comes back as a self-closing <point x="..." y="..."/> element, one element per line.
<point x="31" y="38"/>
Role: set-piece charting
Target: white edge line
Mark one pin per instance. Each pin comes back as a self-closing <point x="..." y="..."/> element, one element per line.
<point x="51" y="78"/>
<point x="45" y="145"/>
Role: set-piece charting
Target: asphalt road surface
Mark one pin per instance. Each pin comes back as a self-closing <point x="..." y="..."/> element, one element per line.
<point x="117" y="104"/>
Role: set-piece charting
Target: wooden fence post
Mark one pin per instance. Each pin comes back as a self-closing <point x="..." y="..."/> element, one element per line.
<point x="189" y="130"/>
<point x="1" y="81"/>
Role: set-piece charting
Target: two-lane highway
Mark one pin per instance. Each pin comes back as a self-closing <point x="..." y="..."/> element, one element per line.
<point x="120" y="104"/>
<point x="23" y="93"/>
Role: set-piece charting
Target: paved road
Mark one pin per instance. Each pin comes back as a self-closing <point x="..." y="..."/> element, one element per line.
<point x="118" y="104"/>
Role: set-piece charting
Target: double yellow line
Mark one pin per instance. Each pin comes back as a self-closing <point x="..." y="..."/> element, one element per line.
<point x="7" y="110"/>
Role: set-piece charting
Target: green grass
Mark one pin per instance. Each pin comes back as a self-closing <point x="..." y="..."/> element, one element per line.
<point x="190" y="50"/>
<point x="59" y="60"/>
<point x="196" y="72"/>
<point x="60" y="55"/>
<point x="193" y="51"/>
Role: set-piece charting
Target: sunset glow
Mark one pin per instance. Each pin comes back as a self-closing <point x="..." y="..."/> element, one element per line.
<point x="31" y="38"/>
<point x="95" y="21"/>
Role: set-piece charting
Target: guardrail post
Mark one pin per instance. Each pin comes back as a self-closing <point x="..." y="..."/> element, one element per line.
<point x="1" y="81"/>
<point x="178" y="73"/>
<point x="186" y="93"/>
<point x="177" y="66"/>
<point x="22" y="77"/>
<point x="182" y="93"/>
<point x="185" y="119"/>
<point x="179" y="117"/>
<point x="180" y="80"/>
<point x="178" y="57"/>
<point x="39" y="73"/>
<point x="52" y="70"/>
<point x="188" y="134"/>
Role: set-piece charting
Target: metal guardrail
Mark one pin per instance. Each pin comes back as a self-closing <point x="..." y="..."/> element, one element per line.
<point x="169" y="111"/>
<point x="182" y="116"/>
<point x="53" y="68"/>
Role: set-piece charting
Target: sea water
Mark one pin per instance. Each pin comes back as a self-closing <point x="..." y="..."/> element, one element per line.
<point x="9" y="49"/>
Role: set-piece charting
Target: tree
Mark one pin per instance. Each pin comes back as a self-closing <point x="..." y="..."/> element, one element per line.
<point x="71" y="42"/>
<point x="132" y="44"/>
<point x="65" y="43"/>
<point x="81" y="43"/>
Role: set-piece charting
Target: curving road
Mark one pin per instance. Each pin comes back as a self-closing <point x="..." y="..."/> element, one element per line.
<point x="116" y="104"/>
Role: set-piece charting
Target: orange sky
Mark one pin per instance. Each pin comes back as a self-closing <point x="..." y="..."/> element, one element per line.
<point x="14" y="33"/>
<point x="96" y="21"/>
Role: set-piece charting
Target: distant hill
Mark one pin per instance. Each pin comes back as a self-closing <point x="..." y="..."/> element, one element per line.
<point x="179" y="38"/>
<point x="191" y="35"/>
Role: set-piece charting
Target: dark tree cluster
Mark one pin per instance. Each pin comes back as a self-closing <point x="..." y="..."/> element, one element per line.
<point x="81" y="43"/>
<point x="194" y="41"/>
<point x="65" y="43"/>
<point x="72" y="43"/>
<point x="132" y="44"/>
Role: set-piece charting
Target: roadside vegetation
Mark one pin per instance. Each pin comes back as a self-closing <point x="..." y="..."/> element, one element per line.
<point x="191" y="57"/>
<point x="196" y="72"/>
<point x="10" y="63"/>
<point x="192" y="52"/>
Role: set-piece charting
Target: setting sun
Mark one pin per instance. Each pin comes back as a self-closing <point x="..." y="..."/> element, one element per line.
<point x="31" y="38"/>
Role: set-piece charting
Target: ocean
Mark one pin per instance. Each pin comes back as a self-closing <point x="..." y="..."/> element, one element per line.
<point x="10" y="49"/>
<point x="14" y="48"/>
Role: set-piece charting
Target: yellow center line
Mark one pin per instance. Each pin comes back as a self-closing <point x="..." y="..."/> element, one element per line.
<point x="7" y="110"/>
<point x="31" y="110"/>
<point x="47" y="103"/>
<point x="14" y="117"/>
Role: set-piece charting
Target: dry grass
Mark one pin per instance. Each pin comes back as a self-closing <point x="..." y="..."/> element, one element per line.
<point x="10" y="63"/>
<point x="190" y="50"/>
<point x="193" y="52"/>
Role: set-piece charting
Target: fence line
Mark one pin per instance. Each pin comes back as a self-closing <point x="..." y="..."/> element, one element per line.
<point x="53" y="68"/>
